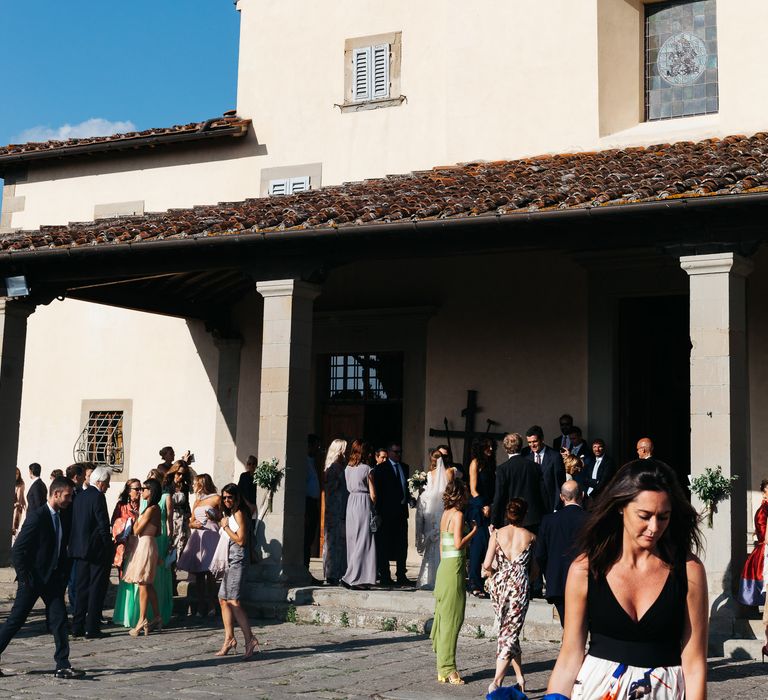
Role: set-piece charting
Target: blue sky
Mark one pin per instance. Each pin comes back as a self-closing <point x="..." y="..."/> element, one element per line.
<point x="75" y="66"/>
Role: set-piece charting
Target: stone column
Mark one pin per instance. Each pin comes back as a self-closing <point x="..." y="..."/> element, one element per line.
<point x="720" y="411"/>
<point x="284" y="420"/>
<point x="225" y="435"/>
<point x="13" y="339"/>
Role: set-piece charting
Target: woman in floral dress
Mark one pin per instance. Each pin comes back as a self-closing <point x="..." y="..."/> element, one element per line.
<point x="507" y="565"/>
<point x="336" y="495"/>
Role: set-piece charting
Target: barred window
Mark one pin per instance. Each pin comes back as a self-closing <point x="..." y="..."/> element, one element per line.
<point x="365" y="377"/>
<point x="101" y="441"/>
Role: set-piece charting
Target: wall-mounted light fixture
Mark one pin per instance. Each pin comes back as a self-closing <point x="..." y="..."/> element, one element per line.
<point x="16" y="286"/>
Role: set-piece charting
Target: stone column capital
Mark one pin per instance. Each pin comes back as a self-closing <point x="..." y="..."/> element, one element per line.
<point x="288" y="288"/>
<point x="716" y="263"/>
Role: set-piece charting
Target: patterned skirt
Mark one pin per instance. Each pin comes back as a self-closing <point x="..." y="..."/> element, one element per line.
<point x="601" y="679"/>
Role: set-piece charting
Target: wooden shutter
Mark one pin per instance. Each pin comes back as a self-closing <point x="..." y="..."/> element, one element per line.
<point x="380" y="71"/>
<point x="361" y="74"/>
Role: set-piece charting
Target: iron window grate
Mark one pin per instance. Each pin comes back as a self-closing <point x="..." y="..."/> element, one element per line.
<point x="101" y="441"/>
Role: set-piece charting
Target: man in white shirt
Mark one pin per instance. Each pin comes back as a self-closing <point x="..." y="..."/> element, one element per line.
<point x="599" y="468"/>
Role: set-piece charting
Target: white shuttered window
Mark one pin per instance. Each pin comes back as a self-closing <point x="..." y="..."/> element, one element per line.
<point x="370" y="73"/>
<point x="289" y="185"/>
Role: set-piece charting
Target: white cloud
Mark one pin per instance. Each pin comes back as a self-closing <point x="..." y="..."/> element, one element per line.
<point x="90" y="127"/>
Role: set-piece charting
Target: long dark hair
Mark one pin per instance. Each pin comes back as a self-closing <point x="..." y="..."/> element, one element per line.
<point x="237" y="501"/>
<point x="479" y="445"/>
<point x="169" y="483"/>
<point x="125" y="494"/>
<point x="155" y="491"/>
<point x="601" y="537"/>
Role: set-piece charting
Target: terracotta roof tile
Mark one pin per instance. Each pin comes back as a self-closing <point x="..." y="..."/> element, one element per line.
<point x="713" y="167"/>
<point x="60" y="148"/>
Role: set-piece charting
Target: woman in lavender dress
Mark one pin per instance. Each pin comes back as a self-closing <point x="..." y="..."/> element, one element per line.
<point x="203" y="538"/>
<point x="361" y="548"/>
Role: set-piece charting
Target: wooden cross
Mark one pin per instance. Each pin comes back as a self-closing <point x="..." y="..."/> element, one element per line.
<point x="469" y="433"/>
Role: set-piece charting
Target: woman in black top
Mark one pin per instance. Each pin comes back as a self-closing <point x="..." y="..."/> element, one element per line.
<point x="640" y="592"/>
<point x="246" y="485"/>
<point x="482" y="482"/>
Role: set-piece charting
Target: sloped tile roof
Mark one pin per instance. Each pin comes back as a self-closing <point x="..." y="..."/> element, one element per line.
<point x="715" y="167"/>
<point x="228" y="122"/>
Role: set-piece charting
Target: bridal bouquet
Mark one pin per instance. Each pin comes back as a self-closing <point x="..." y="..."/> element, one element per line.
<point x="416" y="483"/>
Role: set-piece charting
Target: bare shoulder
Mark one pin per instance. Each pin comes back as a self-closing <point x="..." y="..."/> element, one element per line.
<point x="580" y="566"/>
<point x="694" y="568"/>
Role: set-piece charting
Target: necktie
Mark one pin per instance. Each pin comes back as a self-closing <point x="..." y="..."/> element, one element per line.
<point x="538" y="458"/>
<point x="57" y="532"/>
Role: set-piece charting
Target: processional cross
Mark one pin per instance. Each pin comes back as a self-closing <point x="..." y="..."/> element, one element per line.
<point x="469" y="433"/>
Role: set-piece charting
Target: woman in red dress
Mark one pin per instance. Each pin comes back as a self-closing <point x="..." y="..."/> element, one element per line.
<point x="751" y="588"/>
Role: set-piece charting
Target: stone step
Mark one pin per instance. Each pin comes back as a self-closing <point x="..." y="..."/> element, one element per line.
<point x="749" y="629"/>
<point x="386" y="609"/>
<point x="743" y="649"/>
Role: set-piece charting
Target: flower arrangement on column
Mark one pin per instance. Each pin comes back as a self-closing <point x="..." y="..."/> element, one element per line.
<point x="267" y="476"/>
<point x="712" y="487"/>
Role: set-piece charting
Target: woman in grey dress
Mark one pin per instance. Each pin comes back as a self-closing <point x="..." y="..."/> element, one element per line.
<point x="361" y="548"/>
<point x="335" y="540"/>
<point x="235" y="525"/>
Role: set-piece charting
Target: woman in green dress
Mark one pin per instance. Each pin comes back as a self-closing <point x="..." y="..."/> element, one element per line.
<point x="450" y="593"/>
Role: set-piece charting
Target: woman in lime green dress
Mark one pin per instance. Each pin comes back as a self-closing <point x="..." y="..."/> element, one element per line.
<point x="450" y="593"/>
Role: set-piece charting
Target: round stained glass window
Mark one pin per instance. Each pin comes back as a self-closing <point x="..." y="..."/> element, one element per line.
<point x="682" y="59"/>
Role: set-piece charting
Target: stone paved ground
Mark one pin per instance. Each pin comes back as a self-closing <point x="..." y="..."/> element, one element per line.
<point x="309" y="661"/>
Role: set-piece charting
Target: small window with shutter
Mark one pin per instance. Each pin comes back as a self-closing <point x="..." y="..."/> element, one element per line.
<point x="289" y="185"/>
<point x="372" y="73"/>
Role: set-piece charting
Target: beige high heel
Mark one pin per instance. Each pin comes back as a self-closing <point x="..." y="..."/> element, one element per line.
<point x="142" y="625"/>
<point x="251" y="646"/>
<point x="229" y="645"/>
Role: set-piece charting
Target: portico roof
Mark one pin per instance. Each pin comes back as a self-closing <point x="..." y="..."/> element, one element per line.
<point x="722" y="169"/>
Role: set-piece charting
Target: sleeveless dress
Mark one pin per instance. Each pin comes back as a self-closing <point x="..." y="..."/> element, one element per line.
<point x="361" y="548"/>
<point x="509" y="590"/>
<point x="629" y="659"/>
<point x="751" y="588"/>
<point x="335" y="523"/>
<point x="181" y="512"/>
<point x="450" y="601"/>
<point x="201" y="545"/>
<point x="163" y="579"/>
<point x="233" y="575"/>
<point x="143" y="564"/>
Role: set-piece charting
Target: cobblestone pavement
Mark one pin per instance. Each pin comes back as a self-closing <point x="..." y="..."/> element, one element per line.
<point x="331" y="663"/>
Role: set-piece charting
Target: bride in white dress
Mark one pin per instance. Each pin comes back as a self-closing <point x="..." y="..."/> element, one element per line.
<point x="429" y="510"/>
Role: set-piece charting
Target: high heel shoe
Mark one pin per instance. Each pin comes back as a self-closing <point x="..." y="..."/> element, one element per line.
<point x="250" y="646"/>
<point x="156" y="625"/>
<point x="764" y="652"/>
<point x="492" y="687"/>
<point x="454" y="679"/>
<point x="142" y="625"/>
<point x="229" y="645"/>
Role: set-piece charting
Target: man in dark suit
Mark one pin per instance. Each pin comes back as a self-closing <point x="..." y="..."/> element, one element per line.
<point x="550" y="465"/>
<point x="390" y="479"/>
<point x="518" y="478"/>
<point x="555" y="544"/>
<point x="39" y="556"/>
<point x="37" y="494"/>
<point x="91" y="546"/>
<point x="564" y="439"/>
<point x="598" y="467"/>
<point x="578" y="446"/>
